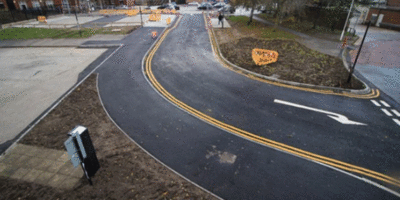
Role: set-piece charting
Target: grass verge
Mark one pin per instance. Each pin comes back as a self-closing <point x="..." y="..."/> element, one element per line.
<point x="257" y="29"/>
<point x="41" y="33"/>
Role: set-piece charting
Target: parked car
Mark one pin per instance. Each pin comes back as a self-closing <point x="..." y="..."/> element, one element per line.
<point x="219" y="5"/>
<point x="227" y="8"/>
<point x="175" y="6"/>
<point x="205" y="6"/>
<point x="122" y="7"/>
<point x="168" y="6"/>
<point x="193" y="4"/>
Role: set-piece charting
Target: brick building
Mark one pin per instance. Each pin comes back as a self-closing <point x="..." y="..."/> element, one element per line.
<point x="387" y="16"/>
<point x="56" y="4"/>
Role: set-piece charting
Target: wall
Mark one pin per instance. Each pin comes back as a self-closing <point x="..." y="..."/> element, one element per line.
<point x="390" y="16"/>
<point x="394" y="3"/>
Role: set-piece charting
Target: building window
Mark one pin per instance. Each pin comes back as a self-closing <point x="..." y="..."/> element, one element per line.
<point x="50" y="5"/>
<point x="35" y="4"/>
<point x="23" y="5"/>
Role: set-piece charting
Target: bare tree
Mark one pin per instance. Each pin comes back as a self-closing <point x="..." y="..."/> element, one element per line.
<point x="250" y="4"/>
<point x="286" y="7"/>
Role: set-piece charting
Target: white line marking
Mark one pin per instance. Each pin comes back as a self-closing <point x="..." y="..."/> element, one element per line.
<point x="384" y="103"/>
<point x="397" y="121"/>
<point x="396" y="112"/>
<point x="338" y="117"/>
<point x="386" y="112"/>
<point x="376" y="103"/>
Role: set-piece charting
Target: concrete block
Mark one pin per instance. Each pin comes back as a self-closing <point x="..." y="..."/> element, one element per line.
<point x="70" y="182"/>
<point x="20" y="173"/>
<point x="32" y="175"/>
<point x="66" y="169"/>
<point x="54" y="167"/>
<point x="44" y="178"/>
<point x="77" y="172"/>
<point x="9" y="171"/>
<point x="43" y="165"/>
<point x="57" y="180"/>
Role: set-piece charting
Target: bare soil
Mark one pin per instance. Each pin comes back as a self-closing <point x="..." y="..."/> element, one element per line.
<point x="295" y="63"/>
<point x="126" y="171"/>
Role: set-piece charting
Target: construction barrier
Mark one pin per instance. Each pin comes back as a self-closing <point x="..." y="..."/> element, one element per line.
<point x="168" y="20"/>
<point x="155" y="17"/>
<point x="42" y="19"/>
<point x="119" y="12"/>
<point x="264" y="57"/>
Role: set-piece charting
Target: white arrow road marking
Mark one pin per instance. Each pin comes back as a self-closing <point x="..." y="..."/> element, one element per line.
<point x="397" y="121"/>
<point x="384" y="103"/>
<point x="376" y="103"/>
<point x="338" y="117"/>
<point x="386" y="112"/>
<point x="396" y="112"/>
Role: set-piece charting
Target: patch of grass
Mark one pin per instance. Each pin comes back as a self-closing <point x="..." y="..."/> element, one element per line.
<point x="30" y="33"/>
<point x="258" y="29"/>
<point x="40" y="33"/>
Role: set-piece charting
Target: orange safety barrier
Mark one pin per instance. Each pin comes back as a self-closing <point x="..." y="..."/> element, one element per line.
<point x="345" y="42"/>
<point x="155" y="17"/>
<point x="264" y="57"/>
<point x="168" y="20"/>
<point x="42" y="19"/>
<point x="154" y="34"/>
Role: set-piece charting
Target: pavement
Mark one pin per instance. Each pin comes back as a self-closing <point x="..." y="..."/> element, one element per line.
<point x="379" y="58"/>
<point x="32" y="79"/>
<point x="40" y="165"/>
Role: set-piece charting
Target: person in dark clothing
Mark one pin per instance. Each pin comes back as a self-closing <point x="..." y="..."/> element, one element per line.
<point x="220" y="18"/>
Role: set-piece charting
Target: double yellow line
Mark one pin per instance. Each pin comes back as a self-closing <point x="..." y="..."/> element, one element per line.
<point x="270" y="143"/>
<point x="374" y="92"/>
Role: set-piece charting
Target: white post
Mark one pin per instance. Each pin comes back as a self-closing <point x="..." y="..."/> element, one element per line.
<point x="345" y="24"/>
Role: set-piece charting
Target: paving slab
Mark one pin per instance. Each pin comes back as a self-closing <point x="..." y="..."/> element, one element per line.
<point x="214" y="23"/>
<point x="20" y="173"/>
<point x="55" y="170"/>
<point x="33" y="79"/>
<point x="32" y="175"/>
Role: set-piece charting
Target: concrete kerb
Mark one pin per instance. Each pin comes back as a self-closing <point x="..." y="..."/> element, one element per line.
<point x="364" y="91"/>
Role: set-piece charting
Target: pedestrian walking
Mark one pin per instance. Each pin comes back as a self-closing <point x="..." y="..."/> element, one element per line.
<point x="220" y="18"/>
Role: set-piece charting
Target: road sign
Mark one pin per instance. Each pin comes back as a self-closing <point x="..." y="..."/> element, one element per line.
<point x="264" y="57"/>
<point x="338" y="117"/>
<point x="72" y="152"/>
<point x="81" y="150"/>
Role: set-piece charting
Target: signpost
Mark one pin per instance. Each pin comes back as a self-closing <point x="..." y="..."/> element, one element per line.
<point x="81" y="151"/>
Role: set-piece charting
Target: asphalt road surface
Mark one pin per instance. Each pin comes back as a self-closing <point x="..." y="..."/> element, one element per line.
<point x="224" y="163"/>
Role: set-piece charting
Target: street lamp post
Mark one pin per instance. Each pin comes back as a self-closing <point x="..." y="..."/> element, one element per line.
<point x="345" y="24"/>
<point x="358" y="53"/>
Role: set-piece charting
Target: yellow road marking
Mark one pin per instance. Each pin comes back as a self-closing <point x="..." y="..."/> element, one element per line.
<point x="277" y="145"/>
<point x="373" y="94"/>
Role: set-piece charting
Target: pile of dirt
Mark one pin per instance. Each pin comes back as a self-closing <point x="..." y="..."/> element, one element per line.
<point x="295" y="62"/>
<point x="126" y="172"/>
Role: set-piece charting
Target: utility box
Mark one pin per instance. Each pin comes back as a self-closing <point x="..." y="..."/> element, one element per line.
<point x="81" y="141"/>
